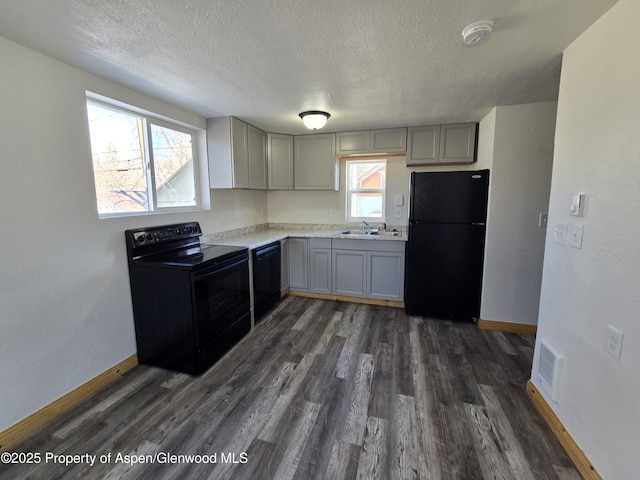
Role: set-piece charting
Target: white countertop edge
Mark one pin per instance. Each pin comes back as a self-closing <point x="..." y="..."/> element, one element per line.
<point x="264" y="237"/>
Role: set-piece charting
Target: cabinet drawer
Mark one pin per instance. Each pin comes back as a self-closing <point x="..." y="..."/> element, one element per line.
<point x="319" y="243"/>
<point x="369" y="245"/>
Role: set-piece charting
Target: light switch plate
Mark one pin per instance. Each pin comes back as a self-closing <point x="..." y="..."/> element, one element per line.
<point x="575" y="236"/>
<point x="560" y="233"/>
<point x="543" y="219"/>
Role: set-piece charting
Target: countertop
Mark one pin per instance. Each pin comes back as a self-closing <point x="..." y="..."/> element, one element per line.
<point x="255" y="238"/>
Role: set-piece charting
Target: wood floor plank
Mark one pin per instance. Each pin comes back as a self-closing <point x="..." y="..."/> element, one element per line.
<point x="509" y="444"/>
<point x="374" y="456"/>
<point x="426" y="409"/>
<point x="487" y="446"/>
<point x="343" y="463"/>
<point x="356" y="421"/>
<point x="323" y="389"/>
<point x="408" y="463"/>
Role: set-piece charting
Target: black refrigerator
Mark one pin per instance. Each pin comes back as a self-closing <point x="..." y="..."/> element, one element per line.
<point x="445" y="248"/>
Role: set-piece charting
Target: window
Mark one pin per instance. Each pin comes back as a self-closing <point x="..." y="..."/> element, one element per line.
<point x="366" y="183"/>
<point x="140" y="164"/>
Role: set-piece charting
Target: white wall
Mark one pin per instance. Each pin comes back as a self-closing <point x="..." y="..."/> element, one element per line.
<point x="65" y="306"/>
<point x="597" y="152"/>
<point x="522" y="156"/>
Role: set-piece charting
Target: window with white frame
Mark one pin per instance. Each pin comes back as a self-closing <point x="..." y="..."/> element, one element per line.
<point x="366" y="183"/>
<point x="140" y="164"/>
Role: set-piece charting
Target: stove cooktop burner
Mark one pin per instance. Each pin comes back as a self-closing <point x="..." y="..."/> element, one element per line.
<point x="193" y="256"/>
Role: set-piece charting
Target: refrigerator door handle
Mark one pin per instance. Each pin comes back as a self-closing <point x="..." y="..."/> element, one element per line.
<point x="481" y="224"/>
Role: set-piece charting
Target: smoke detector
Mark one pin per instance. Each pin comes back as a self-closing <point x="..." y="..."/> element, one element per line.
<point x="477" y="32"/>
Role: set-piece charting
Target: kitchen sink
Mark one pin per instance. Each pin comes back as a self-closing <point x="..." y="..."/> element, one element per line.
<point x="367" y="233"/>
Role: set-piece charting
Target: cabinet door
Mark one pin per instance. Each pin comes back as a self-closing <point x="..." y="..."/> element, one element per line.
<point x="423" y="145"/>
<point x="280" y="161"/>
<point x="458" y="143"/>
<point x="385" y="276"/>
<point x="320" y="270"/>
<point x="388" y="140"/>
<point x="349" y="272"/>
<point x="257" y="159"/>
<point x="298" y="264"/>
<point x="352" y="142"/>
<point x="284" y="270"/>
<point x="316" y="165"/>
<point x="239" y="153"/>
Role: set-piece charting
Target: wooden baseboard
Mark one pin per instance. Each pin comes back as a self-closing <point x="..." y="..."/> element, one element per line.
<point x="581" y="461"/>
<point x="507" y="327"/>
<point x="341" y="298"/>
<point x="26" y="427"/>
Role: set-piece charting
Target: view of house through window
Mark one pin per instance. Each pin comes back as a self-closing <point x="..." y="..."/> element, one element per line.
<point x="139" y="164"/>
<point x="366" y="183"/>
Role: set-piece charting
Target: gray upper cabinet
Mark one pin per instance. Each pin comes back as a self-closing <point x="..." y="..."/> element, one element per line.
<point x="442" y="144"/>
<point x="315" y="162"/>
<point x="349" y="143"/>
<point x="388" y="140"/>
<point x="237" y="154"/>
<point x="424" y="145"/>
<point x="280" y="161"/>
<point x="256" y="153"/>
<point x="458" y="143"/>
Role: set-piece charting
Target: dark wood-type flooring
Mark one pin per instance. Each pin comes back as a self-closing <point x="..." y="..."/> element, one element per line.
<point x="321" y="389"/>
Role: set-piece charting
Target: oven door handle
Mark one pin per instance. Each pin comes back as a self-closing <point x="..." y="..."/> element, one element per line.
<point x="220" y="268"/>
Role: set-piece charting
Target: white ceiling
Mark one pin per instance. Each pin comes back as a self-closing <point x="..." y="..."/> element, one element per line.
<point x="370" y="63"/>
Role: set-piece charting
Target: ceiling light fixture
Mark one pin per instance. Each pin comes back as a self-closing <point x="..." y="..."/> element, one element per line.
<point x="477" y="32"/>
<point x="314" y="119"/>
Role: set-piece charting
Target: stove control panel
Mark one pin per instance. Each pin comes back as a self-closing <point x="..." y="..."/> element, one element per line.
<point x="164" y="233"/>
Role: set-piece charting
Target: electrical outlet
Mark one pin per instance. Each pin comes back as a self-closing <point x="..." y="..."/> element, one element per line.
<point x="614" y="342"/>
<point x="398" y="213"/>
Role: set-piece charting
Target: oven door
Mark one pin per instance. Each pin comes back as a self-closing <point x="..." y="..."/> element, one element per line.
<point x="222" y="309"/>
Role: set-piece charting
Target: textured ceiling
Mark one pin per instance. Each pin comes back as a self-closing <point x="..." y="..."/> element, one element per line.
<point x="370" y="63"/>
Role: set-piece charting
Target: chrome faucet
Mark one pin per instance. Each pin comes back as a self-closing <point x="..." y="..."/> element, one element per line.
<point x="365" y="225"/>
<point x="382" y="227"/>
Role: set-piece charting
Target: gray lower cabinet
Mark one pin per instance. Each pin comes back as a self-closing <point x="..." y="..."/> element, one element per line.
<point x="320" y="265"/>
<point x="284" y="266"/>
<point x="368" y="268"/>
<point x="351" y="268"/>
<point x="299" y="264"/>
<point x="386" y="275"/>
<point x="349" y="272"/>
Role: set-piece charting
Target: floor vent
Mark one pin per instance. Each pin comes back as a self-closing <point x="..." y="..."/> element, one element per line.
<point x="548" y="369"/>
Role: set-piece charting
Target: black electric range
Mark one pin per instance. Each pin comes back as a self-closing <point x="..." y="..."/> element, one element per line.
<point x="190" y="300"/>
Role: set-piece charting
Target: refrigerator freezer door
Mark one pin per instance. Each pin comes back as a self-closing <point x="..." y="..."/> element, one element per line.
<point x="449" y="197"/>
<point x="444" y="270"/>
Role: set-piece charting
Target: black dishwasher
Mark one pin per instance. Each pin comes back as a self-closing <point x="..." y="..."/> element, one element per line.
<point x="266" y="279"/>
